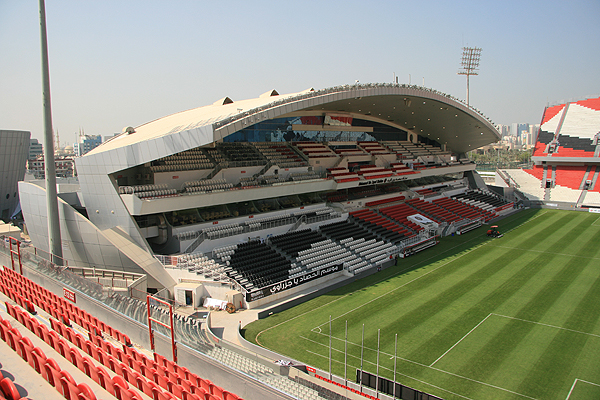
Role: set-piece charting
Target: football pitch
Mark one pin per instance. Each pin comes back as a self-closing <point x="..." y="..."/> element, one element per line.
<point x="476" y="318"/>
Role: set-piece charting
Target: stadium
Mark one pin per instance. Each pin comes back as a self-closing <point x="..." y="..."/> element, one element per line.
<point x="317" y="213"/>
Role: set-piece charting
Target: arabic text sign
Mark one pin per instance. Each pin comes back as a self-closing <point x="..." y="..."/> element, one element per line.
<point x="292" y="282"/>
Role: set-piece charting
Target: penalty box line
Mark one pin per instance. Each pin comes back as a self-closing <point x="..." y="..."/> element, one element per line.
<point x="575" y="382"/>
<point x="461" y="339"/>
<point x="516" y="319"/>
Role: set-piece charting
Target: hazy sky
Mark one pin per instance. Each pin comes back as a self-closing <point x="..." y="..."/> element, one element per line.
<point x="123" y="63"/>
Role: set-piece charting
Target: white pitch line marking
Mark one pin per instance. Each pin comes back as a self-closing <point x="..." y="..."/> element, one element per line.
<point x="461" y="339"/>
<point x="548" y="325"/>
<point x="546" y="252"/>
<point x="575" y="382"/>
<point x="397" y="373"/>
<point x="410" y="377"/>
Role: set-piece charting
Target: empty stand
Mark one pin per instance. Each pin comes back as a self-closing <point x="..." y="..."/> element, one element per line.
<point x="132" y="374"/>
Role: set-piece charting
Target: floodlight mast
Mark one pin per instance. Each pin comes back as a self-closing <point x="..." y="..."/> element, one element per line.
<point x="470" y="64"/>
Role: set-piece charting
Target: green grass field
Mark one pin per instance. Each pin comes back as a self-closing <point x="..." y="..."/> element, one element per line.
<point x="476" y="318"/>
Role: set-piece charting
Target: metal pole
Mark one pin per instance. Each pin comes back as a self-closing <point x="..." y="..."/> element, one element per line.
<point x="362" y="347"/>
<point x="54" y="242"/>
<point x="346" y="356"/>
<point x="377" y="380"/>
<point x="330" y="347"/>
<point x="150" y="323"/>
<point x="173" y="346"/>
<point x="468" y="91"/>
<point x="395" y="354"/>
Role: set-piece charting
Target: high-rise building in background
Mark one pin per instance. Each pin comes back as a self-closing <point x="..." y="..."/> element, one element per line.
<point x="35" y="149"/>
<point x="85" y="143"/>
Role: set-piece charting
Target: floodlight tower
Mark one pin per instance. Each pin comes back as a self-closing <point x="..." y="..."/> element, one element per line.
<point x="469" y="64"/>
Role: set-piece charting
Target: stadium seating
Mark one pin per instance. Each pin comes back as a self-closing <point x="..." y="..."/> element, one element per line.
<point x="256" y="265"/>
<point x="399" y="213"/>
<point x="570" y="176"/>
<point x="433" y="211"/>
<point x="379" y="225"/>
<point x="159" y="378"/>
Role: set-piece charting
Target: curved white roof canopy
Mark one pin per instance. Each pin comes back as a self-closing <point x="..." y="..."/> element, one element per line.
<point x="415" y="109"/>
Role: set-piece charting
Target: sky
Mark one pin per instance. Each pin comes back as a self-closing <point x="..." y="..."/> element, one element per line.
<point x="124" y="63"/>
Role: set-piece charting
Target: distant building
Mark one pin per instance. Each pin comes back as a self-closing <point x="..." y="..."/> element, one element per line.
<point x="35" y="149"/>
<point x="85" y="143"/>
<point x="14" y="146"/>
<point x="64" y="167"/>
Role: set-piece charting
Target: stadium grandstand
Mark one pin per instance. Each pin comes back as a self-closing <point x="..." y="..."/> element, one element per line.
<point x="243" y="204"/>
<point x="566" y="158"/>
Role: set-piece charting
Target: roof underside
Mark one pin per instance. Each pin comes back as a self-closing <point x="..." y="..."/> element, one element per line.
<point x="431" y="119"/>
<point x="417" y="110"/>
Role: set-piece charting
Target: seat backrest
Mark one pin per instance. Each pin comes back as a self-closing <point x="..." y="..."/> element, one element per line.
<point x="90" y="369"/>
<point x="70" y="390"/>
<point x="87" y="391"/>
<point x="52" y="375"/>
<point x="9" y="389"/>
<point x="105" y="381"/>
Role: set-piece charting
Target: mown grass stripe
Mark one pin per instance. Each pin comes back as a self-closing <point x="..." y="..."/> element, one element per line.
<point x="561" y="356"/>
<point x="487" y="361"/>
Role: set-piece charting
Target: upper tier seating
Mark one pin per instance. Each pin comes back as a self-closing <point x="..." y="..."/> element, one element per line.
<point x="241" y="152"/>
<point x="315" y="150"/>
<point x="373" y="148"/>
<point x="574" y="147"/>
<point x="281" y="154"/>
<point x="581" y="121"/>
<point x="197" y="158"/>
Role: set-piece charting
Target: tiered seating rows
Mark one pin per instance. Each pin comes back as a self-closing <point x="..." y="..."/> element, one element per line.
<point x="570" y="176"/>
<point x="462" y="209"/>
<point x="380" y="225"/>
<point x="47" y="367"/>
<point x="258" y="264"/>
<point x="344" y="230"/>
<point x="434" y="211"/>
<point x="399" y="213"/>
<point x="160" y="378"/>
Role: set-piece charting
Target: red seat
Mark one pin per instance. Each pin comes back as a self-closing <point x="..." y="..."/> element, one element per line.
<point x="175" y="389"/>
<point x="105" y="381"/>
<point x="76" y="358"/>
<point x="69" y="389"/>
<point x="90" y="369"/>
<point x="52" y="376"/>
<point x="146" y="386"/>
<point x="230" y="396"/>
<point x="86" y="391"/>
<point x="9" y="389"/>
<point x="39" y="358"/>
<point x="13" y="337"/>
<point x="216" y="390"/>
<point x="123" y="393"/>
